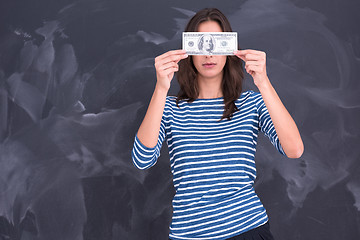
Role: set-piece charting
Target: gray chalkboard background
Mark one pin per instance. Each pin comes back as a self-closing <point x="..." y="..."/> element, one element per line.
<point x="75" y="81"/>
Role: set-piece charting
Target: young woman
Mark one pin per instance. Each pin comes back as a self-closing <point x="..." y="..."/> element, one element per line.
<point x="211" y="129"/>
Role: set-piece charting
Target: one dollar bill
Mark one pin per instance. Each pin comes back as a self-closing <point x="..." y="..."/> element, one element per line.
<point x="209" y="43"/>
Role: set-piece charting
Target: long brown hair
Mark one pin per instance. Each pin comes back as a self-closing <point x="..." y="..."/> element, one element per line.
<point x="233" y="74"/>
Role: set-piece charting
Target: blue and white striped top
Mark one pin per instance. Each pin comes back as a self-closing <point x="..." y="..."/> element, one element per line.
<point x="213" y="165"/>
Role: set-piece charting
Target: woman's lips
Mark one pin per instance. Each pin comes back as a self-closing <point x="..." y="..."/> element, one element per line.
<point x="209" y="65"/>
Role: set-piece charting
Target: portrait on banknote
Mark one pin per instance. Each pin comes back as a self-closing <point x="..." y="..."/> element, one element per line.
<point x="206" y="44"/>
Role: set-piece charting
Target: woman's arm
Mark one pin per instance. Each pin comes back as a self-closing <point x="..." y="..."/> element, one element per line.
<point x="165" y="64"/>
<point x="151" y="133"/>
<point x="152" y="129"/>
<point x="284" y="124"/>
<point x="148" y="132"/>
<point x="286" y="129"/>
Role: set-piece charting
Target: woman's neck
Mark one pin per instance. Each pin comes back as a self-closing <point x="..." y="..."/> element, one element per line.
<point x="209" y="88"/>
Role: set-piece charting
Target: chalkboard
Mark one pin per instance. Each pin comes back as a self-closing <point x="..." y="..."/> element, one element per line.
<point x="75" y="81"/>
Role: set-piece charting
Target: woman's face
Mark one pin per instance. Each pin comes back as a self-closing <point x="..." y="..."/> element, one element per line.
<point x="209" y="66"/>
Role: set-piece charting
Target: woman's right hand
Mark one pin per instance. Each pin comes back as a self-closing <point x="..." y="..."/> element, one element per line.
<point x="166" y="65"/>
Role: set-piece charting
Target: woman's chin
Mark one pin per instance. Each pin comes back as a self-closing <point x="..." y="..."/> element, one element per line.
<point x="209" y="74"/>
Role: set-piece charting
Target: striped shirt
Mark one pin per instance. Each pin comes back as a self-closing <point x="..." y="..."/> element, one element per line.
<point x="213" y="165"/>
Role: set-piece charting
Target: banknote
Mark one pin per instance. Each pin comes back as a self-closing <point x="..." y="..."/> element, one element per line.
<point x="209" y="43"/>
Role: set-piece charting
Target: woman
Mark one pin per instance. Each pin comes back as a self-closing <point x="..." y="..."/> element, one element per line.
<point x="211" y="129"/>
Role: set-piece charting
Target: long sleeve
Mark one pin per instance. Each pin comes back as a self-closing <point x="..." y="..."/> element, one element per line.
<point x="265" y="123"/>
<point x="144" y="157"/>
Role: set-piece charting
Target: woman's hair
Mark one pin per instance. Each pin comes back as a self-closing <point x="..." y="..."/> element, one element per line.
<point x="232" y="73"/>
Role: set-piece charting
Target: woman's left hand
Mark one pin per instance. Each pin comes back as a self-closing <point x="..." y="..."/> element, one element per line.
<point x="255" y="64"/>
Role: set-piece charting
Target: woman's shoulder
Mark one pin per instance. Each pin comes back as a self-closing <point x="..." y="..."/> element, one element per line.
<point x="170" y="101"/>
<point x="171" y="97"/>
<point x="248" y="97"/>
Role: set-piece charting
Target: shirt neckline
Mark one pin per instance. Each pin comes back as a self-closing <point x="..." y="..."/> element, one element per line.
<point x="218" y="98"/>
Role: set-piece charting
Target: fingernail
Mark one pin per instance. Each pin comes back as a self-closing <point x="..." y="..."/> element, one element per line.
<point x="185" y="55"/>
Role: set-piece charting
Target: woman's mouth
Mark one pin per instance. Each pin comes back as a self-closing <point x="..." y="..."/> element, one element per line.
<point x="209" y="65"/>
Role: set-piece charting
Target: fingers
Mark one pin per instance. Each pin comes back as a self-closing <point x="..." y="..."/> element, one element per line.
<point x="171" y="54"/>
<point x="247" y="51"/>
<point x="253" y="68"/>
<point x="249" y="54"/>
<point x="169" y="71"/>
<point x="252" y="57"/>
<point x="167" y="66"/>
<point x="255" y="61"/>
<point x="169" y="59"/>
